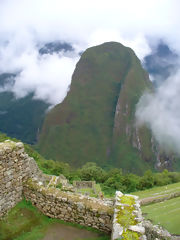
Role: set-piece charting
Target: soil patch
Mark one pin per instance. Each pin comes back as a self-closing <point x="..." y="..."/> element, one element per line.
<point x="59" y="231"/>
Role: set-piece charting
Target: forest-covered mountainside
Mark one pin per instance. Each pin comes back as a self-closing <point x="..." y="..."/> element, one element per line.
<point x="96" y="120"/>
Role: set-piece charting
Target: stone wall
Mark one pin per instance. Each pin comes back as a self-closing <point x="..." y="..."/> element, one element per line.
<point x="84" y="184"/>
<point x="70" y="207"/>
<point x="128" y="220"/>
<point x="160" y="198"/>
<point x="133" y="226"/>
<point x="20" y="175"/>
<point x="154" y="232"/>
<point x="15" y="167"/>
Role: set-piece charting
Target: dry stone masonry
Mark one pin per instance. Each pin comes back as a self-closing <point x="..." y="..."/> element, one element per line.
<point x="84" y="184"/>
<point x="154" y="232"/>
<point x="69" y="206"/>
<point x="15" y="167"/>
<point x="128" y="220"/>
<point x="20" y="176"/>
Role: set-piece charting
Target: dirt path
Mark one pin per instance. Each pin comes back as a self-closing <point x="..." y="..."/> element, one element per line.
<point x="59" y="231"/>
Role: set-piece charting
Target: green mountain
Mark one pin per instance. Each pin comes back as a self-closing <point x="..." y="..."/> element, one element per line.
<point x="96" y="121"/>
<point x="21" y="118"/>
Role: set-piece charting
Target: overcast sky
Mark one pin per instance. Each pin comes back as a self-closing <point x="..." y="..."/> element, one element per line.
<point x="26" y="25"/>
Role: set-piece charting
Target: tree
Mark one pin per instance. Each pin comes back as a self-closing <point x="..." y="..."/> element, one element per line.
<point x="91" y="172"/>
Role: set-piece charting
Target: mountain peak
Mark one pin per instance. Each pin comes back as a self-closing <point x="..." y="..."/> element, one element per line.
<point x="95" y="122"/>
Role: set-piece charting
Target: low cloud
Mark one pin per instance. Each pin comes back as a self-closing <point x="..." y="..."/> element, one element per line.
<point x="160" y="111"/>
<point x="47" y="75"/>
<point x="25" y="26"/>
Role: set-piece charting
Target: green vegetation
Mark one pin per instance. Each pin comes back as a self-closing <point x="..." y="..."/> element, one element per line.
<point x="20" y="222"/>
<point x="159" y="191"/>
<point x="92" y="192"/>
<point x="88" y="191"/>
<point x="59" y="185"/>
<point x="84" y="127"/>
<point x="166" y="213"/>
<point x="4" y="137"/>
<point x="130" y="235"/>
<point x="21" y="118"/>
<point x="25" y="222"/>
<point x="110" y="180"/>
<point x="125" y="217"/>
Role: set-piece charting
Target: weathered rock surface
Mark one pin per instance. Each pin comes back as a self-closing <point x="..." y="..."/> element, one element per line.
<point x="154" y="232"/>
<point x="70" y="207"/>
<point x="15" y="168"/>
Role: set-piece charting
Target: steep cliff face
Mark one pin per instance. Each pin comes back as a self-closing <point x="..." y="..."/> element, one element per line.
<point x="96" y="121"/>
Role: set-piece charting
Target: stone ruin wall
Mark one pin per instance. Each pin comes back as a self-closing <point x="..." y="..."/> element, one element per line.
<point x="84" y="184"/>
<point x="127" y="218"/>
<point x="71" y="207"/>
<point x="20" y="176"/>
<point x="15" y="167"/>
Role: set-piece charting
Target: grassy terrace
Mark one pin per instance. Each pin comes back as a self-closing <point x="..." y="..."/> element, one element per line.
<point x="25" y="222"/>
<point x="166" y="213"/>
<point x="159" y="191"/>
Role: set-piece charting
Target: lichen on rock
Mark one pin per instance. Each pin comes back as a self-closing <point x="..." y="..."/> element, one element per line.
<point x="125" y="223"/>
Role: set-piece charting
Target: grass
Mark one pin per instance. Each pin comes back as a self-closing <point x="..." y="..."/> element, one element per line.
<point x="20" y="221"/>
<point x="166" y="213"/>
<point x="25" y="222"/>
<point x="90" y="191"/>
<point x="156" y="191"/>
